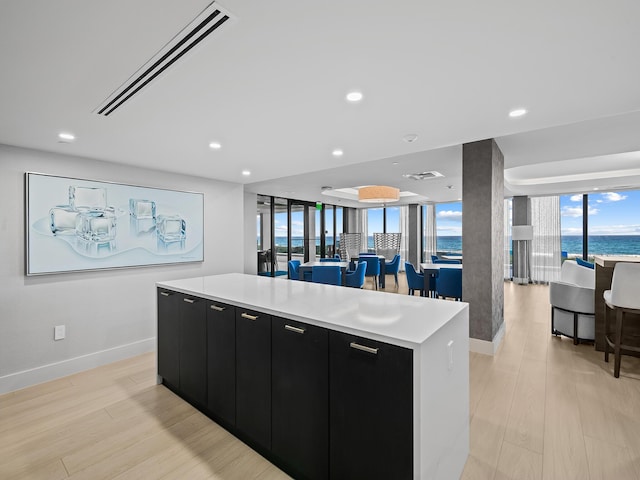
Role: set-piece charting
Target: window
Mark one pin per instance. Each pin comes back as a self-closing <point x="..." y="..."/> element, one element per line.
<point x="375" y="224"/>
<point x="449" y="227"/>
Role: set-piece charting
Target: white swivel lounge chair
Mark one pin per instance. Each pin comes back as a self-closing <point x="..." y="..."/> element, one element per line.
<point x="623" y="298"/>
<point x="573" y="302"/>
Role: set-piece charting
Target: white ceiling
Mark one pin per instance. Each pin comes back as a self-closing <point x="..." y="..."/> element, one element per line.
<point x="270" y="86"/>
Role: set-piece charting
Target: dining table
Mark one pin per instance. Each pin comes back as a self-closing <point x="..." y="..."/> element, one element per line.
<point x="453" y="256"/>
<point x="308" y="267"/>
<point x="431" y="270"/>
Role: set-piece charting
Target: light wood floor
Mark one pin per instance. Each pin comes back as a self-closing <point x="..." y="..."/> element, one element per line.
<point x="541" y="408"/>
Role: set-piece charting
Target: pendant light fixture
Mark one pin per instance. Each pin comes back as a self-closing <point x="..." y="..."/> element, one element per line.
<point x="378" y="194"/>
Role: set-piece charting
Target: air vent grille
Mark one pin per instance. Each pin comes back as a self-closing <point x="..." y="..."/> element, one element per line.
<point x="423" y="175"/>
<point x="208" y="21"/>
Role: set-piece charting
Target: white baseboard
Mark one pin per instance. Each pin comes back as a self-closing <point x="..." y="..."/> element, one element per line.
<point x="52" y="371"/>
<point x="485" y="347"/>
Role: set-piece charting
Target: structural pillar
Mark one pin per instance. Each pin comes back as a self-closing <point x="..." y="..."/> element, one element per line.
<point x="483" y="243"/>
<point x="520" y="215"/>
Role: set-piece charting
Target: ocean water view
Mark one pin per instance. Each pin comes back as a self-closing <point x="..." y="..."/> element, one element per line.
<point x="572" y="244"/>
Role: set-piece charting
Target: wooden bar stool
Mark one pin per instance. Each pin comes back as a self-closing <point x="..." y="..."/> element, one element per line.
<point x="623" y="298"/>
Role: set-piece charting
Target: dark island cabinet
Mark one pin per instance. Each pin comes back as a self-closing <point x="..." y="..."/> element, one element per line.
<point x="300" y="398"/>
<point x="221" y="362"/>
<point x="253" y="376"/>
<point x="371" y="405"/>
<point x="318" y="403"/>
<point x="193" y="349"/>
<point x="169" y="337"/>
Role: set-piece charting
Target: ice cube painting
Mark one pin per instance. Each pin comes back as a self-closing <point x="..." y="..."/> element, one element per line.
<point x="79" y="224"/>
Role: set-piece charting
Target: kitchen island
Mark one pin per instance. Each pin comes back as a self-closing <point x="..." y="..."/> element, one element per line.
<point x="324" y="381"/>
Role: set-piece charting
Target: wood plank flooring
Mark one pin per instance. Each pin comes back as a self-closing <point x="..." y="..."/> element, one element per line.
<point x="541" y="408"/>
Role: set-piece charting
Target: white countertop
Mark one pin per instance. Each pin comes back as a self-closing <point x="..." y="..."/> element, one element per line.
<point x="398" y="319"/>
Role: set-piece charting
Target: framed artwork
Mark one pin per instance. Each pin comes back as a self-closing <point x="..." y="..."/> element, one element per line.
<point x="74" y="225"/>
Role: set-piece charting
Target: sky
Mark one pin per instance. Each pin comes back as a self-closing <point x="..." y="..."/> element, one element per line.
<point x="449" y="219"/>
<point x="610" y="213"/>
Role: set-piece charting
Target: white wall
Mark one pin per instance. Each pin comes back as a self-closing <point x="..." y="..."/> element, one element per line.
<point x="108" y="315"/>
<point x="251" y="233"/>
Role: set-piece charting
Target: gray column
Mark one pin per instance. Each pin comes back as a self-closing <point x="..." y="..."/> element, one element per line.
<point x="483" y="238"/>
<point x="413" y="236"/>
<point x="520" y="215"/>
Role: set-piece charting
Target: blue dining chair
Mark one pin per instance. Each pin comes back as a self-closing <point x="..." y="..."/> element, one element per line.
<point x="584" y="263"/>
<point x="329" y="274"/>
<point x="327" y="259"/>
<point x="449" y="283"/>
<point x="294" y="269"/>
<point x="415" y="280"/>
<point x="393" y="267"/>
<point x="373" y="267"/>
<point x="434" y="258"/>
<point x="355" y="279"/>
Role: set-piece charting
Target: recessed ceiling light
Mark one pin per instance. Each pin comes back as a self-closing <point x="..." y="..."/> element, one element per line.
<point x="396" y="163"/>
<point x="410" y="138"/>
<point x="246" y="173"/>
<point x="66" y="137"/>
<point x="518" y="112"/>
<point x="215" y="146"/>
<point x="354" y="96"/>
<point x="337" y="152"/>
<point x="596" y="188"/>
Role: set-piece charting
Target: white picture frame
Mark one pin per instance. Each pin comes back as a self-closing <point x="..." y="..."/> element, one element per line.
<point x="74" y="225"/>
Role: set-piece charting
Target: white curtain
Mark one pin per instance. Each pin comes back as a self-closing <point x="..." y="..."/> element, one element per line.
<point x="430" y="232"/>
<point x="508" y="262"/>
<point x="404" y="239"/>
<point x="545" y="254"/>
<point x="364" y="228"/>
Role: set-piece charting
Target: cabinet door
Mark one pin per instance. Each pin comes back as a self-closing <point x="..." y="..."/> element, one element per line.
<point x="169" y="337"/>
<point x="221" y="361"/>
<point x="371" y="409"/>
<point x="300" y="397"/>
<point x="193" y="349"/>
<point x="253" y="376"/>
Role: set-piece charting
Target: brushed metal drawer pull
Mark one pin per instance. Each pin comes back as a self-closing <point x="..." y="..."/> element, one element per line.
<point x="217" y="308"/>
<point x="164" y="294"/>
<point x="188" y="300"/>
<point x="250" y="317"/>
<point x="357" y="346"/>
<point x="294" y="329"/>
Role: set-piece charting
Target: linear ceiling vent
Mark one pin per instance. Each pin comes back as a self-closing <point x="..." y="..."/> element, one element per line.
<point x="209" y="20"/>
<point x="423" y="175"/>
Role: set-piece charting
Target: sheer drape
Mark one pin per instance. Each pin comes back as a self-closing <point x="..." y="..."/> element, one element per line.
<point x="545" y="256"/>
<point x="404" y="230"/>
<point x="364" y="228"/>
<point x="430" y="232"/>
<point x="507" y="239"/>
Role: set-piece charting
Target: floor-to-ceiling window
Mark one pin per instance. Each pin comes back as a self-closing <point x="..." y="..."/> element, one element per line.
<point x="375" y="224"/>
<point x="392" y="220"/>
<point x="571" y="225"/>
<point x="612" y="226"/>
<point x="449" y="227"/>
<point x="293" y="229"/>
<point x="297" y="231"/>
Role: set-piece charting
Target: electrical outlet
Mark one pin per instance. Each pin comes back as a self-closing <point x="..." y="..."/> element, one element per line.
<point x="59" y="332"/>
